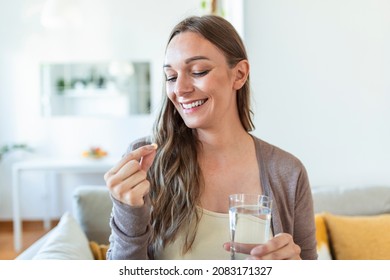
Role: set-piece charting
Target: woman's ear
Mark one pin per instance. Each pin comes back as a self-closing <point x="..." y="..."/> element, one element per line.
<point x="241" y="74"/>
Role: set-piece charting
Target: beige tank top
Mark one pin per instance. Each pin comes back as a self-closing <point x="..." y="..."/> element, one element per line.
<point x="213" y="232"/>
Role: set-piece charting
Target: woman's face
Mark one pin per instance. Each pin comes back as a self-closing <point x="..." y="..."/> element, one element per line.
<point x="199" y="81"/>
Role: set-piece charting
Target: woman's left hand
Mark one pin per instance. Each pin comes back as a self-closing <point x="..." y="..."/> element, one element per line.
<point x="280" y="247"/>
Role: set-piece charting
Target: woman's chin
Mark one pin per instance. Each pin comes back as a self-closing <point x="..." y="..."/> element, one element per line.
<point x="193" y="124"/>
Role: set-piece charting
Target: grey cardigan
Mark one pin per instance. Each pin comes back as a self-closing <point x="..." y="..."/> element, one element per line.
<point x="283" y="177"/>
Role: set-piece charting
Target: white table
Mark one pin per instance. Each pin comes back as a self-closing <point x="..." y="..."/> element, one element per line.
<point x="76" y="166"/>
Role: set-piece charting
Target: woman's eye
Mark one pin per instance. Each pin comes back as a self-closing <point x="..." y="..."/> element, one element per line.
<point x="201" y="73"/>
<point x="171" y="79"/>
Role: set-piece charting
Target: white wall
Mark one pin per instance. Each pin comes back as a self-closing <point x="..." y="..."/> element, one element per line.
<point x="115" y="29"/>
<point x="321" y="80"/>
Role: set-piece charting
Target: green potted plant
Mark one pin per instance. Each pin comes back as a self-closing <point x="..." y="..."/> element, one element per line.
<point x="10" y="148"/>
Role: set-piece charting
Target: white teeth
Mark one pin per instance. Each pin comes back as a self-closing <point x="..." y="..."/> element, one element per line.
<point x="193" y="104"/>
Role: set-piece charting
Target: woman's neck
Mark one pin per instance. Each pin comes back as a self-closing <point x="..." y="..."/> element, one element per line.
<point x="222" y="140"/>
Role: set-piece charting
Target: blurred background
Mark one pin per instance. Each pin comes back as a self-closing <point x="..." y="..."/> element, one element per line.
<point x="82" y="76"/>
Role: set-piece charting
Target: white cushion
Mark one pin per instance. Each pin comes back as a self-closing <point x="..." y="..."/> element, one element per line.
<point x="66" y="242"/>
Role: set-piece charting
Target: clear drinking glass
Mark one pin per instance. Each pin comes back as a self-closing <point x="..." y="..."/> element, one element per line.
<point x="250" y="221"/>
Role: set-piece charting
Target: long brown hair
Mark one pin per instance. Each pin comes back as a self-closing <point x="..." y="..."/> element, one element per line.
<point x="175" y="176"/>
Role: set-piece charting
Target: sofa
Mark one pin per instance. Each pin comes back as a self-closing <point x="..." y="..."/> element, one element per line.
<point x="351" y="223"/>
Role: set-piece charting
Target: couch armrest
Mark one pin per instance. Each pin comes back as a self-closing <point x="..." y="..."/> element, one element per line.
<point x="92" y="208"/>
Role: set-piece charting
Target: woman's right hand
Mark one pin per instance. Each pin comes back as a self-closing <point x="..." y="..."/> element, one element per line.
<point x="127" y="181"/>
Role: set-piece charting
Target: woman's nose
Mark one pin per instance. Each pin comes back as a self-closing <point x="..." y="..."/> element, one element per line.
<point x="183" y="85"/>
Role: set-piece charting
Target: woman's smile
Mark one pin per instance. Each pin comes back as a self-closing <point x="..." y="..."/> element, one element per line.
<point x="188" y="106"/>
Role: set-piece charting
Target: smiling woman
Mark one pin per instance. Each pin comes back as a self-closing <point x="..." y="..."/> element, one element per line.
<point x="171" y="193"/>
<point x="196" y="86"/>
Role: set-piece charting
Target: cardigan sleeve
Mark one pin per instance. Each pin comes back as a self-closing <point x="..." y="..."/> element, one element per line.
<point x="304" y="223"/>
<point x="130" y="231"/>
<point x="130" y="226"/>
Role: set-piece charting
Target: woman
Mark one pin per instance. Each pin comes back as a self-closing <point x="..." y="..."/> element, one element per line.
<point x="171" y="198"/>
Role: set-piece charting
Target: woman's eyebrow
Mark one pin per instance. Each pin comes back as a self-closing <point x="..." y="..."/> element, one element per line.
<point x="189" y="60"/>
<point x="199" y="57"/>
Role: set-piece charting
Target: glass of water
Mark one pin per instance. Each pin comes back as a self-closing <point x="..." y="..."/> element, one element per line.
<point x="250" y="222"/>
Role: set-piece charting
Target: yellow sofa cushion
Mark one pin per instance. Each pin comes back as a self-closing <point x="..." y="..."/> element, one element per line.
<point x="99" y="251"/>
<point x="323" y="249"/>
<point x="359" y="237"/>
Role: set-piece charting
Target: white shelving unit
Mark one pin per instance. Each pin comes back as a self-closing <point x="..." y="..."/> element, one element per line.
<point x="95" y="89"/>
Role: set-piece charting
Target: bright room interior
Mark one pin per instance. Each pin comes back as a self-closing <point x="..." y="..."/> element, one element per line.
<point x="91" y="77"/>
